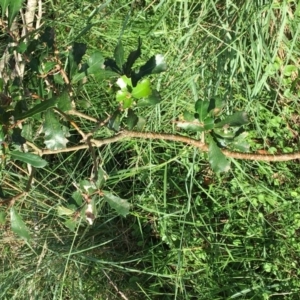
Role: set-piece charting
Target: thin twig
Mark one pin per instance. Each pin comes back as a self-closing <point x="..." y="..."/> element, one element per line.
<point x="115" y="287"/>
<point x="175" y="138"/>
<point x="82" y="115"/>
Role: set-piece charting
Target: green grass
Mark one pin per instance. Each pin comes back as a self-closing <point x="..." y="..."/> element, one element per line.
<point x="191" y="234"/>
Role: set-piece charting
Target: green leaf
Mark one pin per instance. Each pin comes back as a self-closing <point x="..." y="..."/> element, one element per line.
<point x="122" y="95"/>
<point x="132" y="57"/>
<point x="77" y="196"/>
<point x="46" y="67"/>
<point x="142" y="89"/>
<point x="132" y="119"/>
<point x="64" y="211"/>
<point x="88" y="186"/>
<point x="27" y="131"/>
<point x="17" y="225"/>
<point x="101" y="178"/>
<point x="115" y="121"/>
<point x="240" y="143"/>
<point x="75" y="57"/>
<point x="209" y="123"/>
<point x="28" y="158"/>
<point x="41" y="107"/>
<point x="54" y="134"/>
<point x="217" y="160"/>
<point x="77" y="77"/>
<point x="64" y="101"/>
<point x="237" y="119"/>
<point x="16" y="137"/>
<point x="201" y="108"/>
<point x="59" y="79"/>
<point x="22" y="47"/>
<point x="71" y="224"/>
<point x="127" y="102"/>
<point x="153" y="99"/>
<point x="119" y="54"/>
<point x="140" y="124"/>
<point x="110" y="64"/>
<point x="13" y="9"/>
<point x="95" y="63"/>
<point x="289" y="70"/>
<point x="121" y="206"/>
<point x="215" y="105"/>
<point x="156" y="64"/>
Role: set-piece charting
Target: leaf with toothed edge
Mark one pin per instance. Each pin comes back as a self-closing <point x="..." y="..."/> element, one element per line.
<point x="132" y="57"/>
<point x="217" y="160"/>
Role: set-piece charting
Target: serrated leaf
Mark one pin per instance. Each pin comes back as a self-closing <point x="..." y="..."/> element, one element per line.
<point x="95" y="63"/>
<point x="18" y="226"/>
<point x="122" y="95"/>
<point x="209" y="123"/>
<point x="110" y="64"/>
<point x="16" y="137"/>
<point x="41" y="107"/>
<point x="77" y="196"/>
<point x="237" y="119"/>
<point x="13" y="9"/>
<point x="217" y="160"/>
<point x="27" y="131"/>
<point x="153" y="99"/>
<point x="78" y="50"/>
<point x="101" y="178"/>
<point x="75" y="57"/>
<point x="64" y="101"/>
<point x="240" y="143"/>
<point x="201" y="108"/>
<point x="142" y="90"/>
<point x="119" y="54"/>
<point x="54" y="134"/>
<point x="124" y="83"/>
<point x="132" y="119"/>
<point x="156" y="64"/>
<point x="71" y="224"/>
<point x="127" y="102"/>
<point x="64" y="211"/>
<point x="29" y="158"/>
<point x="140" y="124"/>
<point x="132" y="57"/>
<point x="215" y="105"/>
<point x="115" y="121"/>
<point x="121" y="206"/>
<point x="87" y="186"/>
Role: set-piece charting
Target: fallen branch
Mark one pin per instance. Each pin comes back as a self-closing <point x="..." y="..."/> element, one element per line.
<point x="170" y="137"/>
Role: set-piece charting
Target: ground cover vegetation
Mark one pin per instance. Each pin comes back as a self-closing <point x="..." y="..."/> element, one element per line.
<point x="149" y="149"/>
